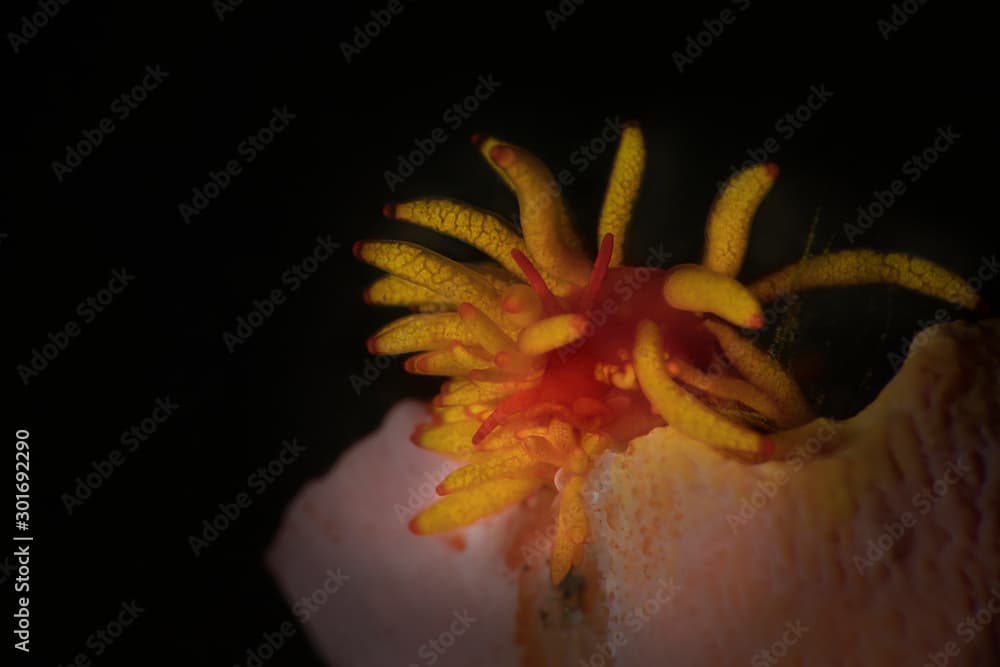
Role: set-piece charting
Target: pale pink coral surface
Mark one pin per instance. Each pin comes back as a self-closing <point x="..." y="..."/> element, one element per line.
<point x="877" y="552"/>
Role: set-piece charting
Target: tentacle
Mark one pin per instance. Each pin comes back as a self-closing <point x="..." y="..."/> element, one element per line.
<point x="479" y="229"/>
<point x="461" y="509"/>
<point x="865" y="267"/>
<point x="537" y="282"/>
<point x="763" y="371"/>
<point x="448" y="415"/>
<point x="439" y="274"/>
<point x="728" y="229"/>
<point x="501" y="438"/>
<point x="432" y="307"/>
<point x="519" y="402"/>
<point x="695" y="288"/>
<point x="598" y="273"/>
<point x="623" y="189"/>
<point x="485" y="331"/>
<point x="445" y="362"/>
<point x="499" y="376"/>
<point x="517" y="362"/>
<point x="522" y="305"/>
<point x="682" y="410"/>
<point x="571" y="530"/>
<point x="467" y="392"/>
<point x="551" y="333"/>
<point x="497" y="276"/>
<point x="416" y="333"/>
<point x="503" y="464"/>
<point x="390" y="290"/>
<point x="453" y="439"/>
<point x="469" y="355"/>
<point x="595" y="444"/>
<point x="560" y="436"/>
<point x="730" y="388"/>
<point x="541" y="449"/>
<point x="551" y="242"/>
<point x="485" y="145"/>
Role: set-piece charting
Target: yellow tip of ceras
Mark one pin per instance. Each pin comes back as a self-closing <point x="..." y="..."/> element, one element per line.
<point x="693" y="287"/>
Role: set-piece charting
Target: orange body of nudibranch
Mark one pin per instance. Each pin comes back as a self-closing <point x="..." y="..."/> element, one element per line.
<point x="556" y="358"/>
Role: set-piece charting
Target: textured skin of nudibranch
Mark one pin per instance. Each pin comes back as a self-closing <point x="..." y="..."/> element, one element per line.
<point x="541" y="387"/>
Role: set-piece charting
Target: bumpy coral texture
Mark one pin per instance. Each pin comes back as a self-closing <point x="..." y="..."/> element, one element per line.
<point x="555" y="359"/>
<point x="875" y="542"/>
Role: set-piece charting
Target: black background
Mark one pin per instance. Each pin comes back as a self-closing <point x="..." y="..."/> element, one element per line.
<point x="325" y="175"/>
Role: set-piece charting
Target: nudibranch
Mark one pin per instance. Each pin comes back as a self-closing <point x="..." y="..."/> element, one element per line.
<point x="554" y="358"/>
